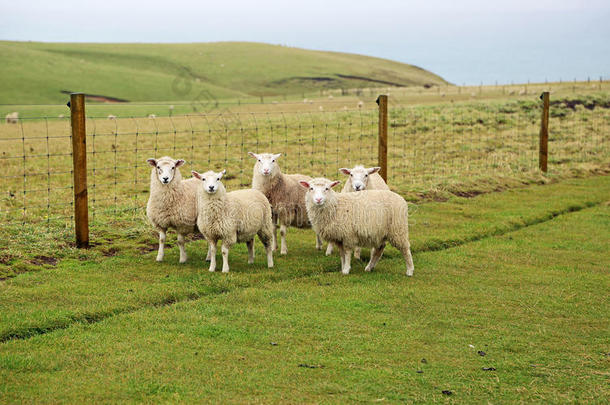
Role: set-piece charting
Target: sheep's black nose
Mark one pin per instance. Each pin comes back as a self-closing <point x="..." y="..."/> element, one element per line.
<point x="165" y="178"/>
<point x="211" y="188"/>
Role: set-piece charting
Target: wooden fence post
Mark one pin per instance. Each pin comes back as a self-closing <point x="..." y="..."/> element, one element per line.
<point x="382" y="158"/>
<point x="79" y="158"/>
<point x="544" y="132"/>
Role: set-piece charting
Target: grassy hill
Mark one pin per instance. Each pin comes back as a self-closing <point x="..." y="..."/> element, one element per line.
<point x="34" y="72"/>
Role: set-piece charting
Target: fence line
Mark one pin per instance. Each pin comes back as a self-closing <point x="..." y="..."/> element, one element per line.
<point x="426" y="146"/>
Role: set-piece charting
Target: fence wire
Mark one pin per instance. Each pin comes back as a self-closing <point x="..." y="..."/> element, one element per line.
<point x="427" y="146"/>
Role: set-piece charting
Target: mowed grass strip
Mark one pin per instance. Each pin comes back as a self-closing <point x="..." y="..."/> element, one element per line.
<point x="91" y="288"/>
<point x="530" y="307"/>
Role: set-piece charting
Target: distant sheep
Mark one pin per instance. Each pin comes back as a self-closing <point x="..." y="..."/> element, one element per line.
<point x="12" y="118"/>
<point x="367" y="218"/>
<point x="172" y="202"/>
<point x="234" y="217"/>
<point x="152" y="116"/>
<point x="360" y="104"/>
<point x="112" y="117"/>
<point x="286" y="196"/>
<point x="360" y="179"/>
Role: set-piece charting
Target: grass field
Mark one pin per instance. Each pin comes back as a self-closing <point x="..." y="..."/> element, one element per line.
<point x="36" y="73"/>
<point x="515" y="281"/>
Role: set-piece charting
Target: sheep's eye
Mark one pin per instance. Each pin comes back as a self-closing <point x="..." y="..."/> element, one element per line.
<point x="327" y="189"/>
<point x="202" y="179"/>
<point x="174" y="168"/>
<point x="366" y="175"/>
<point x="259" y="160"/>
<point x="273" y="161"/>
<point x="310" y="188"/>
<point x="218" y="179"/>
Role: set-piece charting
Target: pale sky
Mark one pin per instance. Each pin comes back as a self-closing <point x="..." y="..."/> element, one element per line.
<point x="466" y="41"/>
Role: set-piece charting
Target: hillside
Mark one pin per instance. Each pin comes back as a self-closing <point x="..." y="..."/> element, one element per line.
<point x="34" y="72"/>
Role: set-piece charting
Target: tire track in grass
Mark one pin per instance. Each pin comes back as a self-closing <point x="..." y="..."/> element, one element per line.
<point x="434" y="245"/>
<point x="92" y="318"/>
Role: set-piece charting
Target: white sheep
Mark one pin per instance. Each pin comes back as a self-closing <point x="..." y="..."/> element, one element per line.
<point x="172" y="202"/>
<point x="233" y="217"/>
<point x="367" y="218"/>
<point x="12" y="118"/>
<point x="112" y="117"/>
<point x="360" y="178"/>
<point x="286" y="196"/>
<point x="152" y="116"/>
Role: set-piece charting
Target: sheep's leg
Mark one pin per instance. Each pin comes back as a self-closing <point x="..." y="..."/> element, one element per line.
<point x="212" y="253"/>
<point x="357" y="252"/>
<point x="347" y="253"/>
<point x="267" y="241"/>
<point x="250" y="245"/>
<point x="274" y="234"/>
<point x="329" y="249"/>
<point x="375" y="256"/>
<point x="161" y="253"/>
<point x="209" y="255"/>
<point x="181" y="245"/>
<point x="319" y="243"/>
<point x="225" y="256"/>
<point x="284" y="247"/>
<point x="341" y="255"/>
<point x="406" y="252"/>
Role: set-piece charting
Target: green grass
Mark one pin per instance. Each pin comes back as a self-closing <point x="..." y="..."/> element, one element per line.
<point x="36" y="72"/>
<point x="525" y="281"/>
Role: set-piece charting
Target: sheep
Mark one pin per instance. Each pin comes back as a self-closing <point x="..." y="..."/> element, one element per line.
<point x="172" y="202"/>
<point x="12" y="118"/>
<point x="287" y="198"/>
<point x="367" y="218"/>
<point x="233" y="217"/>
<point x="152" y="116"/>
<point x="360" y="178"/>
<point x="112" y="117"/>
<point x="360" y="104"/>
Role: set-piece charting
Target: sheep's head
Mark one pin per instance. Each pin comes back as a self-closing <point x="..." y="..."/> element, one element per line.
<point x="210" y="179"/>
<point x="166" y="168"/>
<point x="318" y="189"/>
<point x="359" y="176"/>
<point x="266" y="163"/>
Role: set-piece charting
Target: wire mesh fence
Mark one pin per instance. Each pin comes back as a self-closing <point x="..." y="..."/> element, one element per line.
<point x="427" y="146"/>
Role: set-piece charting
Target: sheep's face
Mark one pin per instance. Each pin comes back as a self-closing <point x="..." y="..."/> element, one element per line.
<point x="359" y="176"/>
<point x="266" y="162"/>
<point x="165" y="168"/>
<point x="318" y="190"/>
<point x="211" y="180"/>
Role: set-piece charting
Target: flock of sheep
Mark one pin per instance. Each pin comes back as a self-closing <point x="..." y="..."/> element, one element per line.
<point x="364" y="214"/>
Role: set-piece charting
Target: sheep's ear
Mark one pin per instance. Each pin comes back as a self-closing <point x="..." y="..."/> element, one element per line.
<point x="222" y="173"/>
<point x="196" y="175"/>
<point x="254" y="155"/>
<point x="277" y="155"/>
<point x="304" y="184"/>
<point x="152" y="162"/>
<point x="334" y="183"/>
<point x="373" y="169"/>
<point x="180" y="162"/>
<point x="345" y="171"/>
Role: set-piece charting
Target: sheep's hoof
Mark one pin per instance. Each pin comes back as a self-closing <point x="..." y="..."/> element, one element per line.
<point x="211" y="270"/>
<point x="182" y="260"/>
<point x="225" y="270"/>
<point x="346" y="272"/>
<point x="409" y="273"/>
<point x="159" y="259"/>
<point x="367" y="268"/>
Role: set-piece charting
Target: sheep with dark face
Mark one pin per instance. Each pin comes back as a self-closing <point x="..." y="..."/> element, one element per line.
<point x="360" y="178"/>
<point x="366" y="218"/>
<point x="172" y="202"/>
